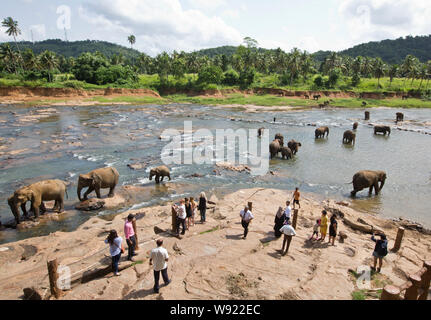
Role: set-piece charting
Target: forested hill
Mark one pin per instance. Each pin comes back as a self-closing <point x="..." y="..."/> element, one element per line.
<point x="75" y="48"/>
<point x="391" y="51"/>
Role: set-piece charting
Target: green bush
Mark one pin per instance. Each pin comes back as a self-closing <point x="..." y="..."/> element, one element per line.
<point x="73" y="84"/>
<point x="318" y="81"/>
<point x="246" y="78"/>
<point x="231" y="78"/>
<point x="210" y="74"/>
<point x="115" y="74"/>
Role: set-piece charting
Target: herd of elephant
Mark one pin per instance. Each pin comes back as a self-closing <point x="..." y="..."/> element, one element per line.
<point x="55" y="190"/>
<point x="361" y="180"/>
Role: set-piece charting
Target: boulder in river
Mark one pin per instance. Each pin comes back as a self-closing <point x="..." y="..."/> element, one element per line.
<point x="90" y="205"/>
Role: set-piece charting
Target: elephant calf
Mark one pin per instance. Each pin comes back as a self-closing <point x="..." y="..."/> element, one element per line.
<point x="400" y="117"/>
<point x="349" y="137"/>
<point x="382" y="129"/>
<point x="98" y="179"/>
<point x="320" y="132"/>
<point x="355" y="126"/>
<point x="162" y="172"/>
<point x="37" y="193"/>
<point x="368" y="179"/>
<point x="286" y="153"/>
<point x="294" y="146"/>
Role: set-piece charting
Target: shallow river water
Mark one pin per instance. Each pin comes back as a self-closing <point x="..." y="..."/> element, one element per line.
<point x="62" y="142"/>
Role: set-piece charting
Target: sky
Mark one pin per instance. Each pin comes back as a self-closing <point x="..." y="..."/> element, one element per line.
<point x="167" y="25"/>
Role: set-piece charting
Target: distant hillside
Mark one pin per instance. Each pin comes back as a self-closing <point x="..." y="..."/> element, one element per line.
<point x="75" y="48"/>
<point x="391" y="51"/>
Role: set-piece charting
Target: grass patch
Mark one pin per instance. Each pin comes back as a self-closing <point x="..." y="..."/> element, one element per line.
<point x="137" y="262"/>
<point x="359" y="295"/>
<point x="210" y="230"/>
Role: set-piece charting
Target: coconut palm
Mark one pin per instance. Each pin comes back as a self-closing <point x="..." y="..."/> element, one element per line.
<point x="9" y="58"/>
<point x="378" y="70"/>
<point x="12" y="29"/>
<point x="392" y="73"/>
<point x="49" y="61"/>
<point x="132" y="40"/>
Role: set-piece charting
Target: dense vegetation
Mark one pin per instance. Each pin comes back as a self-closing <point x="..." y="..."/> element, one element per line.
<point x="246" y="66"/>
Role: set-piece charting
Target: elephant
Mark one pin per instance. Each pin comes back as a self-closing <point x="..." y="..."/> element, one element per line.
<point x="95" y="180"/>
<point x="280" y="137"/>
<point x="400" y="117"/>
<point x="368" y="179"/>
<point x="349" y="137"/>
<point x="286" y="153"/>
<point x="320" y="132"/>
<point x="382" y="129"/>
<point x="275" y="148"/>
<point x="294" y="146"/>
<point x="260" y="132"/>
<point x="317" y="97"/>
<point x="355" y="126"/>
<point x="367" y="115"/>
<point x="161" y="171"/>
<point x="37" y="193"/>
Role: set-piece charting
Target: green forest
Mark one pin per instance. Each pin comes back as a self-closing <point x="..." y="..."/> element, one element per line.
<point x="94" y="64"/>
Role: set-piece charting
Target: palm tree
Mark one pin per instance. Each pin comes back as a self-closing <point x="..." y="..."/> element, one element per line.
<point x="48" y="61"/>
<point x="9" y="57"/>
<point x="12" y="29"/>
<point x="408" y="67"/>
<point x="428" y="73"/>
<point x="392" y="73"/>
<point x="422" y="73"/>
<point x="378" y="70"/>
<point x="132" y="40"/>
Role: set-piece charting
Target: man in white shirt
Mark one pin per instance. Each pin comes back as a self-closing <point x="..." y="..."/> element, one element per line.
<point x="181" y="217"/>
<point x="246" y="217"/>
<point x="288" y="211"/>
<point x="160" y="257"/>
<point x="288" y="232"/>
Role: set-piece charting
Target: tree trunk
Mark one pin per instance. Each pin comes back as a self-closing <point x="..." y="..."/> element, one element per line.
<point x="53" y="278"/>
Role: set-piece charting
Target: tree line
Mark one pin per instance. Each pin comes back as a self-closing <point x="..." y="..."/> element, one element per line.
<point x="238" y="69"/>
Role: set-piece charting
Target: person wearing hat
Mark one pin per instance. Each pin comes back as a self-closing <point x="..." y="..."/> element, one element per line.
<point x="129" y="233"/>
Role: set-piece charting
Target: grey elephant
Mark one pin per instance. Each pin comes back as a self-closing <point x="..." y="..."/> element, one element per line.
<point x="349" y="137"/>
<point x="320" y="132"/>
<point x="95" y="180"/>
<point x="355" y="126"/>
<point x="294" y="146"/>
<point x="400" y="117"/>
<point x="368" y="179"/>
<point x="260" y="132"/>
<point x="286" y="153"/>
<point x="280" y="137"/>
<point x="382" y="129"/>
<point x="37" y="193"/>
<point x="275" y="148"/>
<point x="162" y="172"/>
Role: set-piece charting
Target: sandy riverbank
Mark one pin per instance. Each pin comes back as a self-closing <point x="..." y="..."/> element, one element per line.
<point x="212" y="261"/>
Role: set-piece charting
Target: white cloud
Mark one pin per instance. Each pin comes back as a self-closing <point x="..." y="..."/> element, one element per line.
<point x="207" y="4"/>
<point x="158" y="25"/>
<point x="369" y="20"/>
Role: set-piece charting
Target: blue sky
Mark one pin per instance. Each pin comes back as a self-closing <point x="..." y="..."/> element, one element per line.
<point x="194" y="24"/>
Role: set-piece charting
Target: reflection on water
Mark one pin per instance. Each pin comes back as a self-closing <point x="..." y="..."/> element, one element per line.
<point x="68" y="141"/>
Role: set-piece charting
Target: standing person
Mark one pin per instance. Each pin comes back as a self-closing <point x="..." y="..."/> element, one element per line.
<point x="181" y="217"/>
<point x="129" y="233"/>
<point x="380" y="251"/>
<point x="194" y="205"/>
<point x="246" y="217"/>
<point x="296" y="196"/>
<point x="189" y="213"/>
<point x="333" y="226"/>
<point x="323" y="225"/>
<point x="116" y="248"/>
<point x="203" y="206"/>
<point x="279" y="222"/>
<point x="316" y="230"/>
<point x="288" y="211"/>
<point x="160" y="257"/>
<point x="288" y="232"/>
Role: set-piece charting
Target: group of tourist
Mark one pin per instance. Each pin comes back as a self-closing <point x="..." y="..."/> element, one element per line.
<point x="322" y="225"/>
<point x="186" y="211"/>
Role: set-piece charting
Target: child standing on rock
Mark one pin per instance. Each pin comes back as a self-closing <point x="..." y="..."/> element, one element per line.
<point x="316" y="230"/>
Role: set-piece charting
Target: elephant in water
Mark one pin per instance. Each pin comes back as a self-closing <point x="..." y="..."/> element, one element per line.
<point x="355" y="126"/>
<point x="349" y="137"/>
<point x="275" y="148"/>
<point x="286" y="153"/>
<point x="320" y="132"/>
<point x="400" y="117"/>
<point x="294" y="146"/>
<point x="37" y="193"/>
<point x="382" y="129"/>
<point x="368" y="179"/>
<point x="260" y="132"/>
<point x="162" y="172"/>
<point x="98" y="179"/>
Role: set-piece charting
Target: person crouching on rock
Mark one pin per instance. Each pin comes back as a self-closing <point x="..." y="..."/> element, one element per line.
<point x="129" y="233"/>
<point x="181" y="217"/>
<point x="246" y="217"/>
<point x="116" y="248"/>
<point x="380" y="251"/>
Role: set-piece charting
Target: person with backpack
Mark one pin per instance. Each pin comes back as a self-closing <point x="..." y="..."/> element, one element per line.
<point x="380" y="251"/>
